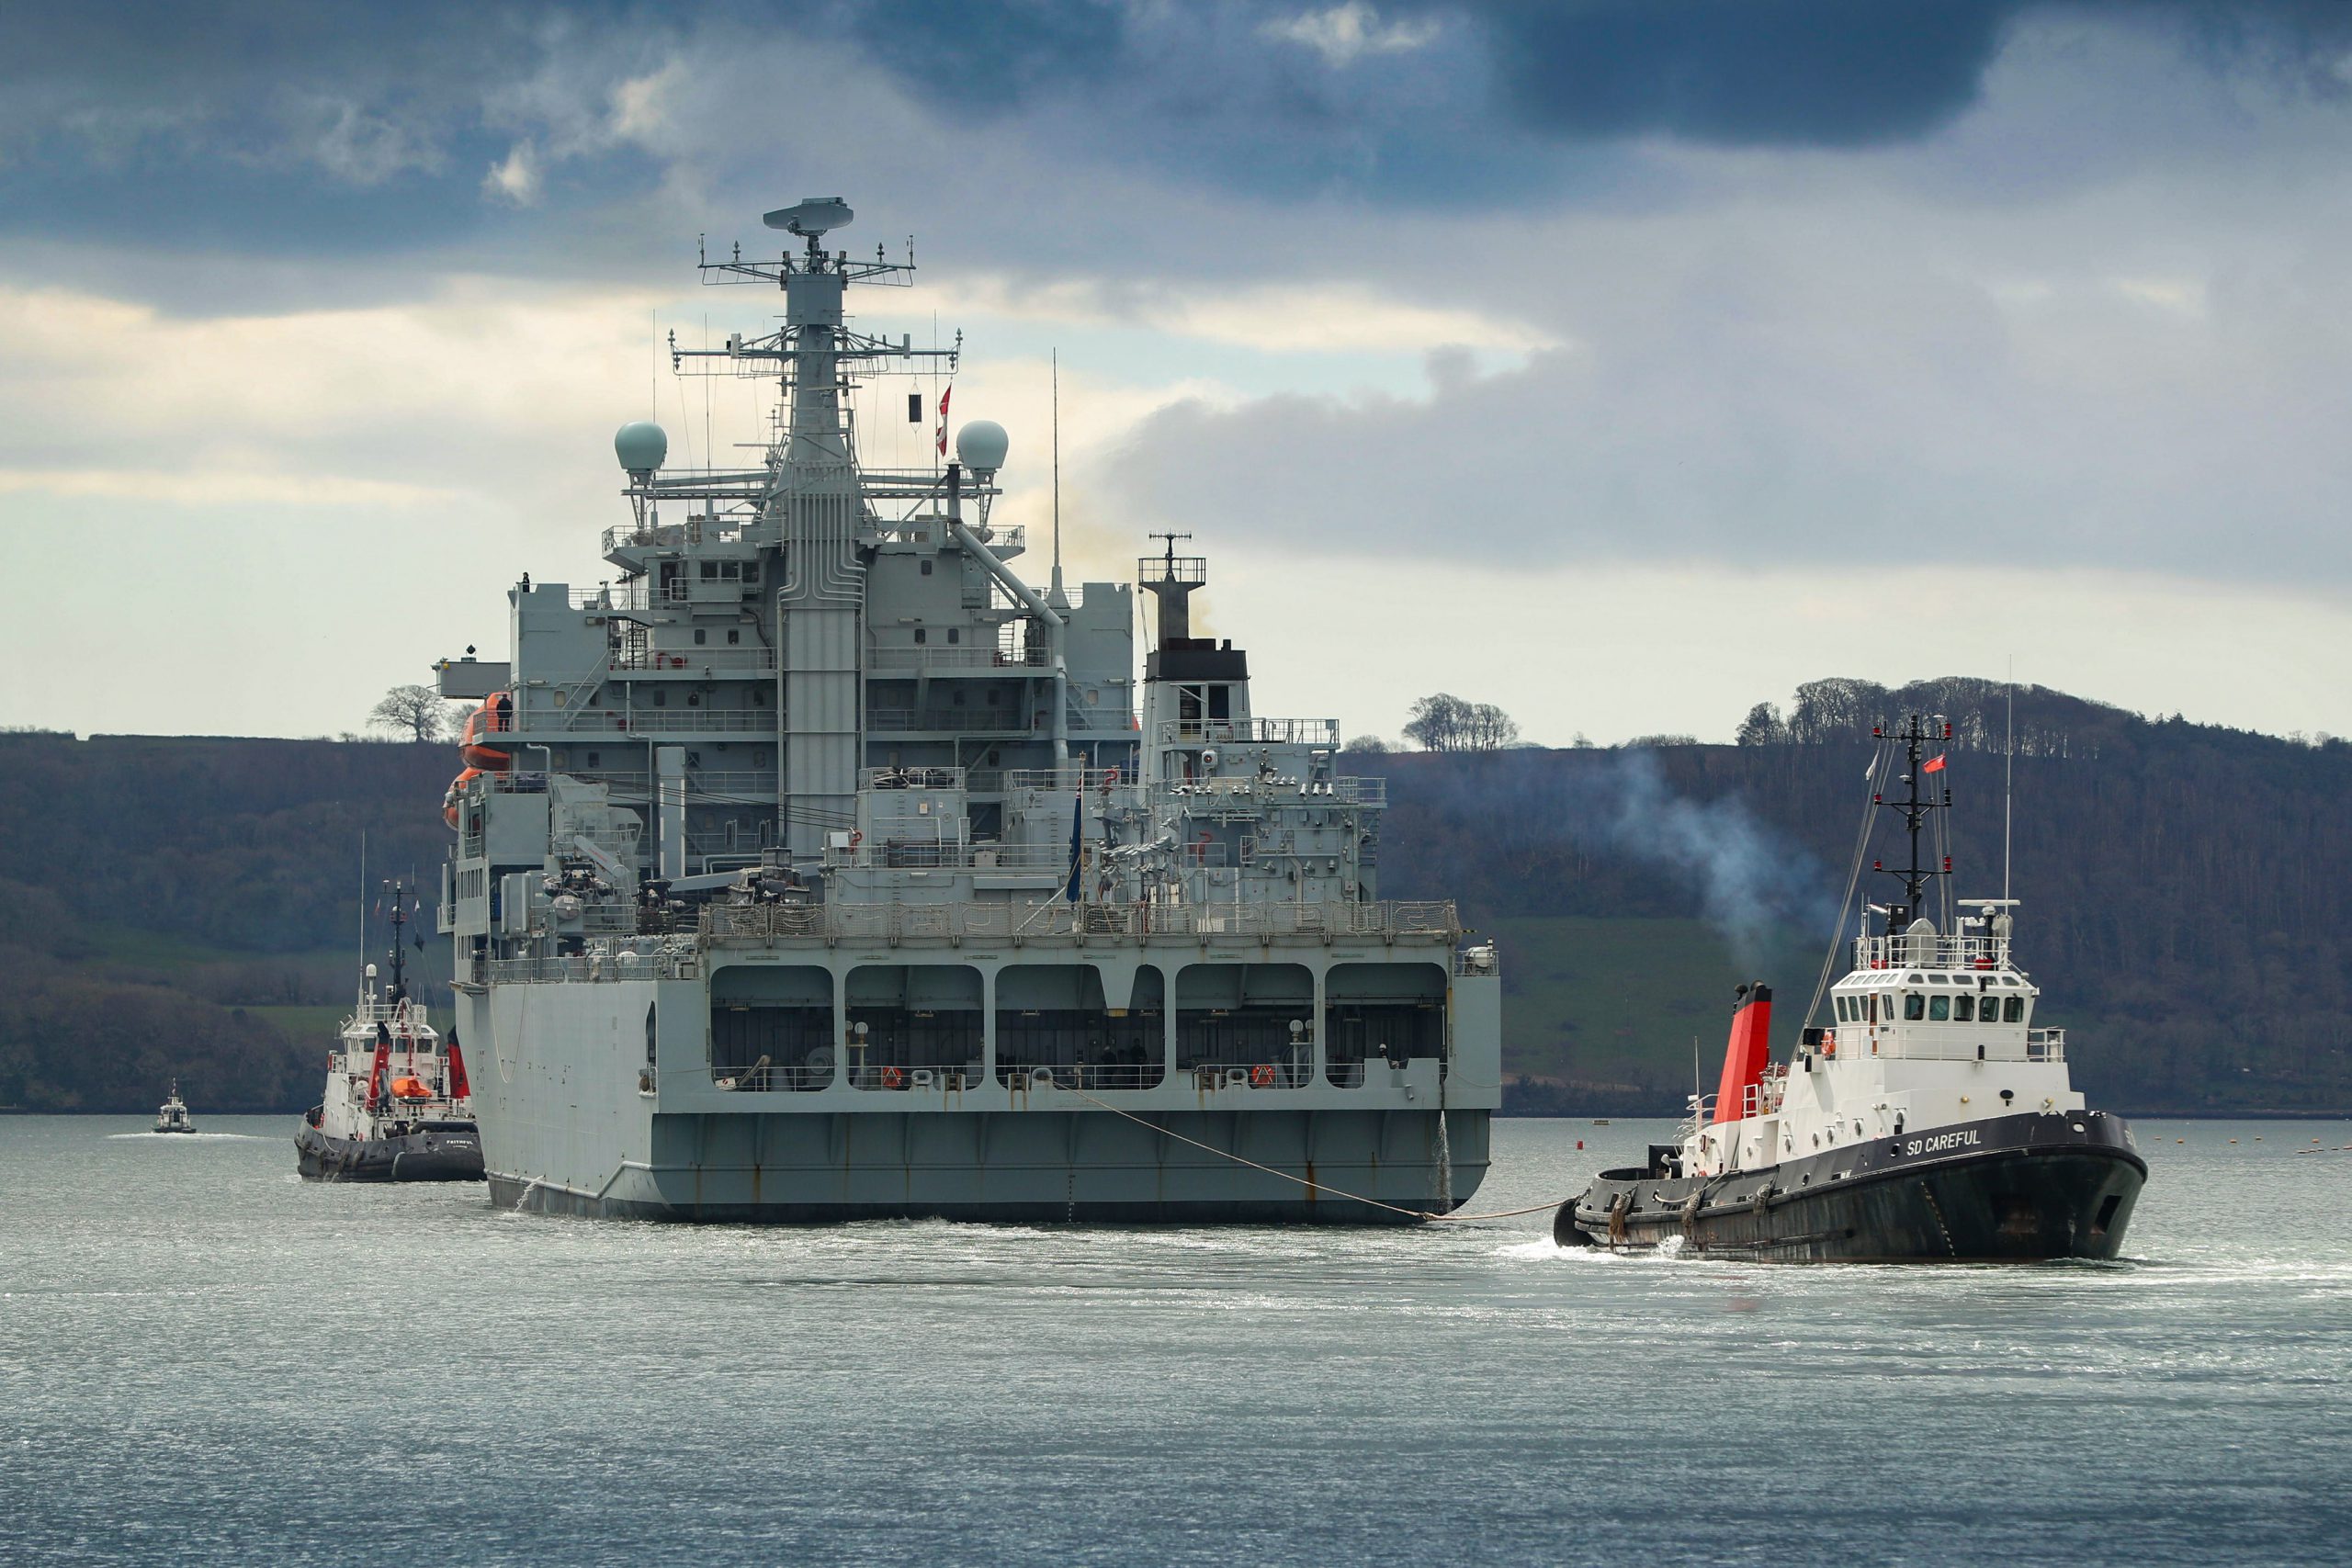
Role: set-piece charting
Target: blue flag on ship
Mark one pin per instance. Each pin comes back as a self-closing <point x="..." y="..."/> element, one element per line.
<point x="1077" y="844"/>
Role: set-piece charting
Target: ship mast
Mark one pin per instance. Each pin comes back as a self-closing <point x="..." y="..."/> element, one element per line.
<point x="399" y="992"/>
<point x="1914" y="809"/>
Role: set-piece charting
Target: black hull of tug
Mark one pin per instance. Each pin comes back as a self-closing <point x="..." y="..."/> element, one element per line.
<point x="450" y="1152"/>
<point x="2007" y="1189"/>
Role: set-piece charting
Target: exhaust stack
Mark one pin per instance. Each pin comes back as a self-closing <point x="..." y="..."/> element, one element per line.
<point x="1750" y="1049"/>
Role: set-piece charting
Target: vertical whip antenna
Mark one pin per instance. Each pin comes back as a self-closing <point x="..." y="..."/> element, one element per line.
<point x="2008" y="777"/>
<point x="1057" y="365"/>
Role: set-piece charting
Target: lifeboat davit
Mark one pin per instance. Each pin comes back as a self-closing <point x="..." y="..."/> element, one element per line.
<point x="496" y="716"/>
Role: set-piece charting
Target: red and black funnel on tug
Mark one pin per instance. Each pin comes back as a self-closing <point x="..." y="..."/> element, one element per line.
<point x="1750" y="1050"/>
<point x="379" y="1070"/>
<point x="457" y="1087"/>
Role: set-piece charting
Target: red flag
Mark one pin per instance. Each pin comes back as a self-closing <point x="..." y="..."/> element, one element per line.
<point x="943" y="418"/>
<point x="1934" y="764"/>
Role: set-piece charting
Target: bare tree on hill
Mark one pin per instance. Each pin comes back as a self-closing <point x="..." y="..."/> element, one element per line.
<point x="413" y="713"/>
<point x="1445" y="722"/>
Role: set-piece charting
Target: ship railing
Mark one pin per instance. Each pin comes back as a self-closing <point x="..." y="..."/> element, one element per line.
<point x="898" y="658"/>
<point x="1903" y="951"/>
<point x="727" y="657"/>
<point x="1067" y="780"/>
<point x="629" y="593"/>
<point x="1079" y="1075"/>
<point x="1959" y="1042"/>
<point x="1248" y="794"/>
<point x="669" y="719"/>
<point x="1180" y="568"/>
<point x="889" y="1077"/>
<point x="1432" y="922"/>
<point x="1248" y="1074"/>
<point x="1251" y="731"/>
<point x="959" y="721"/>
<point x="674" y="966"/>
<point x="913" y="778"/>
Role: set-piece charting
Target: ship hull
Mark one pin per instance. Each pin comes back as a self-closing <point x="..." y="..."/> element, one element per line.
<point x="2015" y="1189"/>
<point x="1033" y="1165"/>
<point x="433" y="1155"/>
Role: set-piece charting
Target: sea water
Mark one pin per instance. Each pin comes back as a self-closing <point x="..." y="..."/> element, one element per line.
<point x="204" y="1358"/>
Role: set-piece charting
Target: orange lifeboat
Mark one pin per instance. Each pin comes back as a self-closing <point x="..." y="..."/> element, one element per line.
<point x="496" y="716"/>
<point x="410" y="1088"/>
<point x="457" y="790"/>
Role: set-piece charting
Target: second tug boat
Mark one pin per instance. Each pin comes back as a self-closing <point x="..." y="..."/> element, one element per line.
<point x="397" y="1107"/>
<point x="1931" y="1122"/>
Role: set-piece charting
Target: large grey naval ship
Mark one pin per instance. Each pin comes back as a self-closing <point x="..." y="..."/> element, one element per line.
<point x="816" y="866"/>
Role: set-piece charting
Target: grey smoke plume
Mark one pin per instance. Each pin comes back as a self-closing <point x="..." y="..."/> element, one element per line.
<point x="1575" y="820"/>
<point x="1749" y="878"/>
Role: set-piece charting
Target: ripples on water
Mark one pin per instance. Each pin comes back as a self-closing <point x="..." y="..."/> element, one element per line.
<point x="204" y="1358"/>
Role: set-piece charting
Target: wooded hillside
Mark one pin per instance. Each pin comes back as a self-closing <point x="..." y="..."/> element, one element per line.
<point x="188" y="906"/>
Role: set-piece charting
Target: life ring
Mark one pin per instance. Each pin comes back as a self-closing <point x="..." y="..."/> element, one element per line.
<point x="893" y="1079"/>
<point x="1261" y="1076"/>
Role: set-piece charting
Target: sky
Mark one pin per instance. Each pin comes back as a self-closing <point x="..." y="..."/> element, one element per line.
<point x="1623" y="362"/>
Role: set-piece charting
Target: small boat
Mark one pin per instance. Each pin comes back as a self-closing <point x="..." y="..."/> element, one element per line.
<point x="172" y="1116"/>
<point x="1931" y="1122"/>
<point x="398" y="1106"/>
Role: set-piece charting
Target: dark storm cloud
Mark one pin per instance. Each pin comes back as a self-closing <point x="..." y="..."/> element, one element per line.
<point x="247" y="125"/>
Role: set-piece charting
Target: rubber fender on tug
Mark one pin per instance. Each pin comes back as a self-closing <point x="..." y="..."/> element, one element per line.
<point x="1564" y="1225"/>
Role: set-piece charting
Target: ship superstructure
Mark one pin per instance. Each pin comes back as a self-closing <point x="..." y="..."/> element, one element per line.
<point x="817" y="865"/>
<point x="1934" y="1118"/>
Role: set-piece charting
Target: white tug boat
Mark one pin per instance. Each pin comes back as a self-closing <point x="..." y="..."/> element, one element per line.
<point x="398" y="1106"/>
<point x="1931" y="1122"/>
<point x="171" y="1116"/>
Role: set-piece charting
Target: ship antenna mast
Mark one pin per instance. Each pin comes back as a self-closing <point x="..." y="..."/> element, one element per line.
<point x="1057" y="367"/>
<point x="400" y="979"/>
<point x="1914" y="810"/>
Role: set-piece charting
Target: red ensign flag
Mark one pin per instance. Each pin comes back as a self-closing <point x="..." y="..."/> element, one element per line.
<point x="1932" y="765"/>
<point x="942" y="419"/>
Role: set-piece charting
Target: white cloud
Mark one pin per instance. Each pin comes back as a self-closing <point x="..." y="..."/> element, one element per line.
<point x="516" y="178"/>
<point x="1345" y="34"/>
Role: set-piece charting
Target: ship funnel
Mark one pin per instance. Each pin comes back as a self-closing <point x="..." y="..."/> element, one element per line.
<point x="641" y="447"/>
<point x="1750" y="1049"/>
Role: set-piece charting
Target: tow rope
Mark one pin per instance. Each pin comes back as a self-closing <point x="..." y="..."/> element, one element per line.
<point x="1300" y="1180"/>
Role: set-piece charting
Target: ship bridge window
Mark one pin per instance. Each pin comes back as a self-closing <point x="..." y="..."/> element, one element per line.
<point x="1963" y="1009"/>
<point x="2012" y="1009"/>
<point x="905" y="1017"/>
<point x="926" y="566"/>
<point x="1239" y="1015"/>
<point x="1938" y="1009"/>
<point x="955" y="633"/>
<point x="922" y="635"/>
<point x="1056" y="1018"/>
<point x="1372" y="1012"/>
<point x="779" y="1015"/>
<point x="1915" y="1006"/>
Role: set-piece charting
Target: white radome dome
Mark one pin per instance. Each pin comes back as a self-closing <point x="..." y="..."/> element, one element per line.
<point x="642" y="446"/>
<point x="981" y="446"/>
